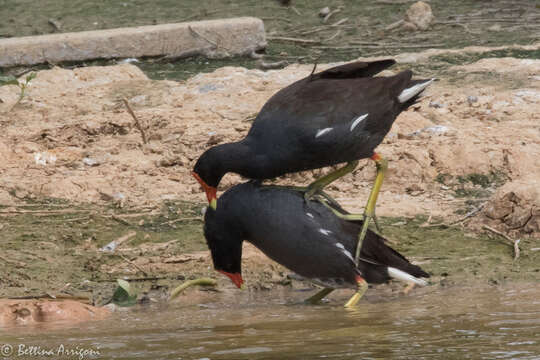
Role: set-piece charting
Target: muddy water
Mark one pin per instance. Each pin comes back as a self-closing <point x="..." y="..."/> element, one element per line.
<point x="456" y="323"/>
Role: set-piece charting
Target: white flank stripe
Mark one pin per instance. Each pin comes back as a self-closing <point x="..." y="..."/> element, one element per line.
<point x="358" y="120"/>
<point x="409" y="93"/>
<point x="403" y="276"/>
<point x="310" y="215"/>
<point x="325" y="232"/>
<point x="323" y="131"/>
<point x="349" y="255"/>
<point x="340" y="245"/>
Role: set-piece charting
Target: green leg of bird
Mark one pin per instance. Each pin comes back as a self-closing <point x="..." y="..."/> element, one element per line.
<point x="318" y="296"/>
<point x="321" y="196"/>
<point x="319" y="184"/>
<point x="362" y="287"/>
<point x="352" y="217"/>
<point x="369" y="213"/>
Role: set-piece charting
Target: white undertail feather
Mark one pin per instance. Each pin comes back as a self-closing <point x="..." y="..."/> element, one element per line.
<point x="411" y="92"/>
<point x="403" y="276"/>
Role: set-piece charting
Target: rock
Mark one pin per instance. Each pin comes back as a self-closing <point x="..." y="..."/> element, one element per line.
<point x="500" y="207"/>
<point x="237" y="36"/>
<point x="516" y="206"/>
<point x="324" y="11"/>
<point x="409" y="26"/>
<point x="90" y="161"/>
<point x="29" y="312"/>
<point x="420" y="15"/>
<point x="436" y="104"/>
<point x="472" y="99"/>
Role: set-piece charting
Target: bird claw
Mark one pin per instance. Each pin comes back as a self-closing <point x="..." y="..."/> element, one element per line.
<point x="376" y="222"/>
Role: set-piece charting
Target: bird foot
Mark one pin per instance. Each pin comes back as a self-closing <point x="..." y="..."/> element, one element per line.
<point x="408" y="288"/>
<point x="362" y="287"/>
<point x="318" y="296"/>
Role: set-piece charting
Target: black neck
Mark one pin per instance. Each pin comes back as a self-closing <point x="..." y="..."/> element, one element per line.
<point x="234" y="157"/>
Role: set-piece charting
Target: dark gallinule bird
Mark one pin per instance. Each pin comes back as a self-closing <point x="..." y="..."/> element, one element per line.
<point x="304" y="236"/>
<point x="338" y="115"/>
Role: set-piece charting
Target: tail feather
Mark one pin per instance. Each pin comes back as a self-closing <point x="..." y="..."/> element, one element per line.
<point x="355" y="70"/>
<point x="414" y="90"/>
<point x="403" y="276"/>
<point x="379" y="262"/>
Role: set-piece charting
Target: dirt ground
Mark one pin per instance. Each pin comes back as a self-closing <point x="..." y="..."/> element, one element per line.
<point x="76" y="175"/>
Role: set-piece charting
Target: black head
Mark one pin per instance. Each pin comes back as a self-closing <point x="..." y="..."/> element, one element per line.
<point x="209" y="168"/>
<point x="216" y="162"/>
<point x="225" y="244"/>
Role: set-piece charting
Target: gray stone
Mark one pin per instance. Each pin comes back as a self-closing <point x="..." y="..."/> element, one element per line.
<point x="211" y="38"/>
<point x="420" y="15"/>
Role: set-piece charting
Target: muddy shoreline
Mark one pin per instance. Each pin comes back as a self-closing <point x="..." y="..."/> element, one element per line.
<point x="76" y="176"/>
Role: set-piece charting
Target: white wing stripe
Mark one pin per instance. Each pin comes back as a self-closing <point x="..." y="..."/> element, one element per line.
<point x="323" y="131"/>
<point x="358" y="120"/>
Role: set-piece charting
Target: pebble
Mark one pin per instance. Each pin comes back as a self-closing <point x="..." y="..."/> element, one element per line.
<point x="90" y="162"/>
<point x="435" y="104"/>
<point x="472" y="99"/>
<point x="420" y="15"/>
<point x="324" y="11"/>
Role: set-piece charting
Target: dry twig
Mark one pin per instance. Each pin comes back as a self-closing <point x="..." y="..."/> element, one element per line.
<point x="296" y="11"/>
<point x="289" y="39"/>
<point x="272" y="65"/>
<point x="515" y="243"/>
<point x="327" y="17"/>
<point x="342" y="21"/>
<point x="133" y="264"/>
<point x="468" y="215"/>
<point x="137" y="123"/>
<point x="394" y="25"/>
<point x="333" y="36"/>
<point x="120" y="220"/>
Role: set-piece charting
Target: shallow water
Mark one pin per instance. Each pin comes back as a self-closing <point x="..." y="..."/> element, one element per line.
<point x="456" y="323"/>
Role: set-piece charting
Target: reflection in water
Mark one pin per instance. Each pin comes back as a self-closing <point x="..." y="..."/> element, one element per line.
<point x="457" y="323"/>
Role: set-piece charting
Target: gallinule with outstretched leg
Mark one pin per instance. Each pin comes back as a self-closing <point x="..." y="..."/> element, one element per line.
<point x="304" y="236"/>
<point x="336" y="116"/>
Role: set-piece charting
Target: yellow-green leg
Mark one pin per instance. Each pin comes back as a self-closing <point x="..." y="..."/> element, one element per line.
<point x="369" y="213"/>
<point x="362" y="287"/>
<point x="321" y="183"/>
<point x="321" y="195"/>
<point x="318" y="296"/>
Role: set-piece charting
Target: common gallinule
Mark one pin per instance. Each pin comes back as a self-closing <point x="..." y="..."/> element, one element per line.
<point x="336" y="116"/>
<point x="304" y="236"/>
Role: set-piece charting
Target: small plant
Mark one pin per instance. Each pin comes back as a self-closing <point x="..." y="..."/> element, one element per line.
<point x="12" y="80"/>
<point x="124" y="295"/>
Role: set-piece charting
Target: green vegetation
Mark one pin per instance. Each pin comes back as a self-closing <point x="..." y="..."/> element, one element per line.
<point x="472" y="185"/>
<point x="11" y="80"/>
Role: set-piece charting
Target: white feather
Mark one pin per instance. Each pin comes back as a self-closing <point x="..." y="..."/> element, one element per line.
<point x="349" y="255"/>
<point x="310" y="215"/>
<point x="358" y="120"/>
<point x="409" y="93"/>
<point x="403" y="276"/>
<point x="325" y="232"/>
<point x="323" y="131"/>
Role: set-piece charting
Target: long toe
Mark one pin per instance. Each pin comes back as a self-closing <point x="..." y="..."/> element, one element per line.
<point x="377" y="226"/>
